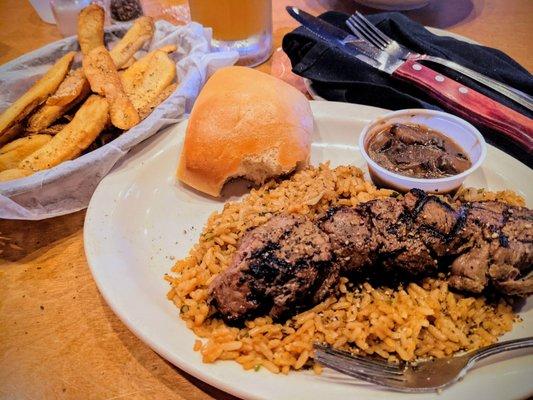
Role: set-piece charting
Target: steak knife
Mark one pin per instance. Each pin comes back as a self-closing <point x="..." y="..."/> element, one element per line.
<point x="464" y="101"/>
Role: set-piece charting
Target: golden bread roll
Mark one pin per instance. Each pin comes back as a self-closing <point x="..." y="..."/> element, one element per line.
<point x="244" y="123"/>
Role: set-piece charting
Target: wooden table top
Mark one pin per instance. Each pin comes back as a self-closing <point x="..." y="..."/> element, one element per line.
<point x="58" y="338"/>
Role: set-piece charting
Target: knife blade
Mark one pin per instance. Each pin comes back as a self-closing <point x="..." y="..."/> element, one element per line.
<point x="336" y="36"/>
<point x="466" y="102"/>
<point x="344" y="41"/>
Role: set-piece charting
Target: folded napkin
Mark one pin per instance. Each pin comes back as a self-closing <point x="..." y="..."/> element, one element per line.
<point x="338" y="77"/>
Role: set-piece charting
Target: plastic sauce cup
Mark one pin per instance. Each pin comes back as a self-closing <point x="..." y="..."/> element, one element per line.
<point x="457" y="129"/>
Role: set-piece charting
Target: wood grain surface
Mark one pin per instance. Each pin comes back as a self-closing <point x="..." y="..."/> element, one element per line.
<point x="58" y="338"/>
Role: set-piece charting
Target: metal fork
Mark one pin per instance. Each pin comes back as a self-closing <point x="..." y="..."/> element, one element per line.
<point x="425" y="376"/>
<point x="363" y="28"/>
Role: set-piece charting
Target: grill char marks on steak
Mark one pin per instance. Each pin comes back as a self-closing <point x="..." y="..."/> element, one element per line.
<point x="401" y="235"/>
<point x="279" y="268"/>
<point x="433" y="220"/>
<point x="290" y="263"/>
<point x="489" y="243"/>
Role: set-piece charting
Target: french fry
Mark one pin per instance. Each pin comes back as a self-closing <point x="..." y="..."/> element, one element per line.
<point x="53" y="129"/>
<point x="47" y="115"/>
<point x="169" y="48"/>
<point x="128" y="63"/>
<point x="91" y="28"/>
<point x="104" y="79"/>
<point x="86" y="125"/>
<point x="15" y="173"/>
<point x="11" y="133"/>
<point x="146" y="109"/>
<point x="36" y="94"/>
<point x="44" y="117"/>
<point x="90" y="35"/>
<point x="143" y="83"/>
<point x="14" y="152"/>
<point x="135" y="71"/>
<point x="70" y="89"/>
<point x="141" y="32"/>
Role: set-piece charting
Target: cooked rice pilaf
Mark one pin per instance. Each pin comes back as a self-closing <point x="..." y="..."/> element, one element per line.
<point x="410" y="322"/>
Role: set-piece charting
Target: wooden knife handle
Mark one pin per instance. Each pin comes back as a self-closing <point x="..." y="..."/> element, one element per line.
<point x="470" y="104"/>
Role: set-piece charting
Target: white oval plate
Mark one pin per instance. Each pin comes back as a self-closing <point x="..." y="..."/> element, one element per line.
<point x="139" y="219"/>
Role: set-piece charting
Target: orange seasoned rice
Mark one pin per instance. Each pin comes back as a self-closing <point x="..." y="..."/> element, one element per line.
<point x="404" y="323"/>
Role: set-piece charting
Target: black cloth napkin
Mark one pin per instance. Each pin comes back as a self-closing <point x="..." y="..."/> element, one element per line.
<point x="338" y="77"/>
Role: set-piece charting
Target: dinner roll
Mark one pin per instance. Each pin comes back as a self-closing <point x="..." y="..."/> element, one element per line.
<point x="244" y="123"/>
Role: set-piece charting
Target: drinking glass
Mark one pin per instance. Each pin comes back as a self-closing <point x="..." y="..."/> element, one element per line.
<point x="66" y="14"/>
<point x="43" y="10"/>
<point x="242" y="25"/>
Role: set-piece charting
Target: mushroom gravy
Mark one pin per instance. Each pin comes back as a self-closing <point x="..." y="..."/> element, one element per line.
<point x="417" y="151"/>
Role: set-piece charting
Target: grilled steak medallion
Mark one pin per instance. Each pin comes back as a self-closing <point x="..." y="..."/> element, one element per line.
<point x="488" y="242"/>
<point x="289" y="263"/>
<point x="279" y="268"/>
<point x="496" y="242"/>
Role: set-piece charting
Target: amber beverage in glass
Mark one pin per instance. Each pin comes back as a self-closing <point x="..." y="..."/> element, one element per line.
<point x="242" y="25"/>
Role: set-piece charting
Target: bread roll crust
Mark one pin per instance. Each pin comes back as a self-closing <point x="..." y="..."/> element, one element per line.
<point x="244" y="123"/>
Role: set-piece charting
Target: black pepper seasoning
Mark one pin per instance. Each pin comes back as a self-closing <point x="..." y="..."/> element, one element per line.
<point x="125" y="10"/>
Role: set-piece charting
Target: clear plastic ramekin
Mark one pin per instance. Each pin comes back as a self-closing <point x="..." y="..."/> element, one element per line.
<point x="460" y="131"/>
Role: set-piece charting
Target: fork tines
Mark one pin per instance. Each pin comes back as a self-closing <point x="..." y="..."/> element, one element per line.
<point x="365" y="368"/>
<point x="366" y="30"/>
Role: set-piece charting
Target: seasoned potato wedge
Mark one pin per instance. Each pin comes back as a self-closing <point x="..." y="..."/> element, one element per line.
<point x="53" y="129"/>
<point x="70" y="89"/>
<point x="47" y="115"/>
<point x="104" y="79"/>
<point x="128" y="63"/>
<point x="147" y="108"/>
<point x="140" y="32"/>
<point x="11" y="133"/>
<point x="15" y="173"/>
<point x="169" y="48"/>
<point x="134" y="72"/>
<point x="13" y="153"/>
<point x="86" y="125"/>
<point x="44" y="117"/>
<point x="91" y="28"/>
<point x="145" y="82"/>
<point x="36" y="94"/>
